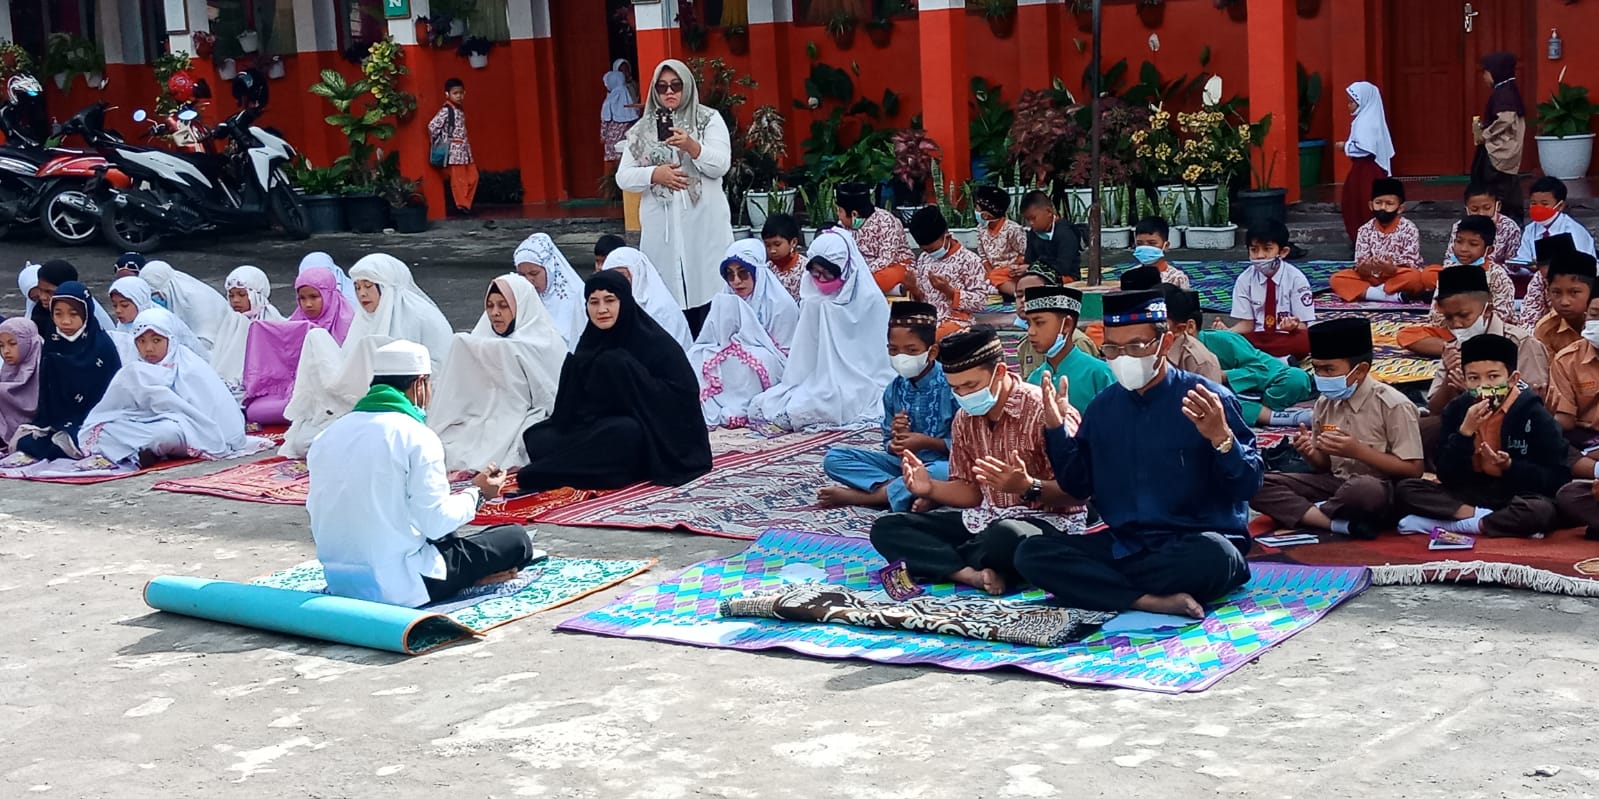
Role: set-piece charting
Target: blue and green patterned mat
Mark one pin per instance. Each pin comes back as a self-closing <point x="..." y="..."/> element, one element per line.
<point x="1214" y="280"/>
<point x="1280" y="601"/>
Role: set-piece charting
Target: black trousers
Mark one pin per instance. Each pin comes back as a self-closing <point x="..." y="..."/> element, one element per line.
<point x="936" y="545"/>
<point x="1081" y="573"/>
<point x="469" y="558"/>
<point x="696" y="318"/>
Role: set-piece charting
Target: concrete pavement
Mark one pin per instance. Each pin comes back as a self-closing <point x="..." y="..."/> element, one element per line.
<point x="1405" y="691"/>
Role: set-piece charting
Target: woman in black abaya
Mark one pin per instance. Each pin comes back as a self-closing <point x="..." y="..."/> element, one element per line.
<point x="627" y="408"/>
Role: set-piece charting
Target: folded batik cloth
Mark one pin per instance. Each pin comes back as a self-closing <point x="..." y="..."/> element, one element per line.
<point x="967" y="615"/>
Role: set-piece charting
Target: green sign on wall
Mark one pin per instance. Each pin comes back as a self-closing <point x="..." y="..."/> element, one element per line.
<point x="396" y="9"/>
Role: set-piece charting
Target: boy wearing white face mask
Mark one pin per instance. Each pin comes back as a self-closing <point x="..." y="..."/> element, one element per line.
<point x="1151" y="238"/>
<point x="1001" y="489"/>
<point x="1271" y="299"/>
<point x="917" y="409"/>
<point x="1364" y="437"/>
<point x="1052" y="313"/>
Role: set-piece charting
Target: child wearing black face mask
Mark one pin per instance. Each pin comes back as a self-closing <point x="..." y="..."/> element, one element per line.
<point x="1387" y="252"/>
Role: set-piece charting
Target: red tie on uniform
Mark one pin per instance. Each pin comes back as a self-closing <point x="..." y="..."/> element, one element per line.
<point x="1271" y="303"/>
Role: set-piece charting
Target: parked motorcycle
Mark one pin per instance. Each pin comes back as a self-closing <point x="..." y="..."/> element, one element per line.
<point x="176" y="193"/>
<point x="46" y="184"/>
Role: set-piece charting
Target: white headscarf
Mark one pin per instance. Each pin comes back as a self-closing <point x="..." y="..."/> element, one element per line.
<point x="563" y="289"/>
<point x="198" y="305"/>
<point x="838" y="366"/>
<point x="403" y="312"/>
<point x="651" y="293"/>
<point x="778" y="311"/>
<point x="134" y="289"/>
<point x="227" y="349"/>
<point x="495" y="387"/>
<point x="735" y="360"/>
<point x="328" y="381"/>
<point x="28" y="280"/>
<point x="617" y="97"/>
<point x="321" y="260"/>
<point x="1368" y="133"/>
<point x="181" y="389"/>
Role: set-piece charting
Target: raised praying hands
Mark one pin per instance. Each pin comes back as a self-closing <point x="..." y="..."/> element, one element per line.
<point x="491" y="481"/>
<point x="942" y="285"/>
<point x="1204" y="409"/>
<point x="1058" y="411"/>
<point x="917" y="480"/>
<point x="1005" y="476"/>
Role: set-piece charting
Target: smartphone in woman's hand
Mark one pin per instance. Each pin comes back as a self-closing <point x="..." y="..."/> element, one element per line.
<point x="663" y="124"/>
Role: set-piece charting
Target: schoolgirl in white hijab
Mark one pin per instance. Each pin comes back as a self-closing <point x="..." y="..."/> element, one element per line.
<point x="321" y="260"/>
<point x="137" y="292"/>
<point x="498" y="381"/>
<point x="773" y="306"/>
<point x="560" y="289"/>
<point x="1368" y="132"/>
<point x="735" y="360"/>
<point x="167" y="403"/>
<point x="651" y="293"/>
<point x="838" y="366"/>
<point x="400" y="310"/>
<point x="201" y="307"/>
<point x="227" y="351"/>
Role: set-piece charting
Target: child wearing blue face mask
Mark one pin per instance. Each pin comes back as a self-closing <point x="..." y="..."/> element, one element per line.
<point x="1028" y="358"/>
<point x="1365" y="437"/>
<point x="1271" y="298"/>
<point x="1150" y="241"/>
<point x="1472" y="245"/>
<point x="917" y="409"/>
<point x="1052" y="313"/>
<point x="1001" y="488"/>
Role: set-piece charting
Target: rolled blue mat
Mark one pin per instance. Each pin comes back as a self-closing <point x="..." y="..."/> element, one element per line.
<point x="328" y="618"/>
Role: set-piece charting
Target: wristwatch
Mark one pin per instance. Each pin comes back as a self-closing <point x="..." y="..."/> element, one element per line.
<point x="1226" y="446"/>
<point x="1033" y="491"/>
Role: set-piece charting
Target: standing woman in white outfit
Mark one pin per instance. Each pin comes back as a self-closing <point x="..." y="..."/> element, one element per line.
<point x="675" y="157"/>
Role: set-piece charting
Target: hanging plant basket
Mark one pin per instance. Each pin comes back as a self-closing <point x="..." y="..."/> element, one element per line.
<point x="1307" y="9"/>
<point x="694" y="40"/>
<point x="1153" y="15"/>
<point x="880" y="32"/>
<point x="844" y="37"/>
<point x="738" y="41"/>
<point x="1002" y="25"/>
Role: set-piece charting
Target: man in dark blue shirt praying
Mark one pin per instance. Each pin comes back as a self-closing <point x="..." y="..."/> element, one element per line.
<point x="1169" y="463"/>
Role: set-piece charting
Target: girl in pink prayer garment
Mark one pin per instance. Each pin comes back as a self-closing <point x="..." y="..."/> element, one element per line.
<point x="271" y="358"/>
<point x="320" y="302"/>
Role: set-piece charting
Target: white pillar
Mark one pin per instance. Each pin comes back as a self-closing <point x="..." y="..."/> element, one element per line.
<point x="530" y="19"/>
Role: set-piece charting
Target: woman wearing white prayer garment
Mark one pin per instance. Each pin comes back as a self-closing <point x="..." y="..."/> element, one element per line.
<point x="392" y="305"/>
<point x="249" y="294"/>
<point x="499" y="380"/>
<point x="675" y="157"/>
<point x="838" y="365"/>
<point x="560" y="289"/>
<point x="130" y="296"/>
<point x="167" y="404"/>
<point x="650" y="292"/>
<point x="200" y="307"/>
<point x="736" y="356"/>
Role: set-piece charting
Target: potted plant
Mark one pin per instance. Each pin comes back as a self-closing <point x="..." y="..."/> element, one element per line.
<point x="204" y="42"/>
<point x="1263" y="202"/>
<point x="689" y="25"/>
<point x="1083" y="10"/>
<point x="989" y="130"/>
<point x="1311" y="151"/>
<point x="1215" y="231"/>
<point x="383" y="69"/>
<point x="14" y="60"/>
<point x="1212" y="151"/>
<point x="319" y="191"/>
<point x="765" y="147"/>
<point x="1001" y="17"/>
<point x="476" y="50"/>
<point x="915" y="154"/>
<point x="1152" y="13"/>
<point x="1565" y="131"/>
<point x="880" y="30"/>
<point x="1045" y="136"/>
<point x="408" y="209"/>
<point x="276" y="69"/>
<point x="227" y="69"/>
<point x="451" y="16"/>
<point x="841" y="26"/>
<point x="737" y="38"/>
<point x="249" y="40"/>
<point x="955" y="203"/>
<point x="67" y="55"/>
<point x="362" y="119"/>
<point x="819" y="208"/>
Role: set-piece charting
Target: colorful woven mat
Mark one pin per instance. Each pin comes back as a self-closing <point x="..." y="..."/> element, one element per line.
<point x="1280" y="601"/>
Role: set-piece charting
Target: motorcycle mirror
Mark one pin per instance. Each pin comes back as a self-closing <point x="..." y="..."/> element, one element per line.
<point x="140" y="115"/>
<point x="188" y="114"/>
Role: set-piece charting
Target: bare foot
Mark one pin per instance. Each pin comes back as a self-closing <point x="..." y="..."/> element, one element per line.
<point x="1170" y="604"/>
<point x="834" y="496"/>
<point x="970" y="576"/>
<point x="923" y="505"/>
<point x="499" y="577"/>
<point x="993" y="583"/>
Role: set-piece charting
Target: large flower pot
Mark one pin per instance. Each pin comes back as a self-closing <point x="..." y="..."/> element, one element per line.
<point x="367" y="213"/>
<point x="1118" y="237"/>
<point x="737" y="43"/>
<point x="249" y="41"/>
<point x="1565" y="157"/>
<point x="478" y="60"/>
<point x="1182" y="200"/>
<point x="741" y="232"/>
<point x="324" y="213"/>
<point x="759" y="204"/>
<point x="1212" y="238"/>
<point x="1257" y="208"/>
<point x="1016" y="195"/>
<point x="410" y="219"/>
<point x="1311" y="153"/>
<point x="845" y="38"/>
<point x="1078" y="202"/>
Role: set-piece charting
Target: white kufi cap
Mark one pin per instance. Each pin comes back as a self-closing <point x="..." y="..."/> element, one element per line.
<point x="401" y="359"/>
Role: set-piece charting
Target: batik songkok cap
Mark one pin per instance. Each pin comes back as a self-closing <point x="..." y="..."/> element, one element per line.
<point x="907" y="313"/>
